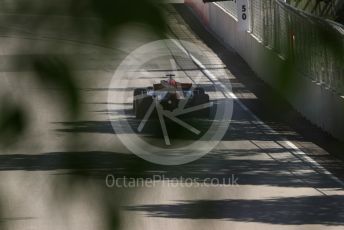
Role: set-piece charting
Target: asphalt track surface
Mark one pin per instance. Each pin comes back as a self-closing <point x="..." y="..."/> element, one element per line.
<point x="284" y="180"/>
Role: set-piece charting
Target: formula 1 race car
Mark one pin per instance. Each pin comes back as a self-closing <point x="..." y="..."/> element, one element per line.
<point x="172" y="95"/>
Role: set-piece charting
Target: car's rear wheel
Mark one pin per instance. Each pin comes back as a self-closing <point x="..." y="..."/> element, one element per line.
<point x="137" y="92"/>
<point x="199" y="91"/>
<point x="142" y="106"/>
<point x="202" y="99"/>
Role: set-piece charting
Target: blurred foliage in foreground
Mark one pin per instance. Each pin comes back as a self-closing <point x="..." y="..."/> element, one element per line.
<point x="95" y="22"/>
<point x="87" y="20"/>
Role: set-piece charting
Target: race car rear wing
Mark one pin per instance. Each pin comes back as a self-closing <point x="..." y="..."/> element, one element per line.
<point x="182" y="86"/>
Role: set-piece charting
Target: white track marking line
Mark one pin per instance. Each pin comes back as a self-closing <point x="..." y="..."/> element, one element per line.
<point x="296" y="151"/>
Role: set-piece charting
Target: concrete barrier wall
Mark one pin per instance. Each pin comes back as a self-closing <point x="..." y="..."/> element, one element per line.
<point x="201" y="9"/>
<point x="320" y="105"/>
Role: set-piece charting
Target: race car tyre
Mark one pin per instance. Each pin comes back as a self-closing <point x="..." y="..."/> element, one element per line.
<point x="199" y="91"/>
<point x="200" y="100"/>
<point x="142" y="106"/>
<point x="138" y="91"/>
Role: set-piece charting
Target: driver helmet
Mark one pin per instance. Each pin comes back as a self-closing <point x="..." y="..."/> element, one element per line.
<point x="172" y="82"/>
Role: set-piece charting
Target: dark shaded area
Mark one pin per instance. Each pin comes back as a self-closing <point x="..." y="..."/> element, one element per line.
<point x="55" y="72"/>
<point x="325" y="210"/>
<point x="16" y="219"/>
<point x="12" y="123"/>
<point x="340" y="15"/>
<point x="242" y="126"/>
<point x="87" y="127"/>
<point x="220" y="164"/>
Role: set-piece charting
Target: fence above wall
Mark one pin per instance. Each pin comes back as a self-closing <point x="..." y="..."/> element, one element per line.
<point x="315" y="45"/>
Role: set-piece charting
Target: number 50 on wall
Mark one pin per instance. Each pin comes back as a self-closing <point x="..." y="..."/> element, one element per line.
<point x="243" y="15"/>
